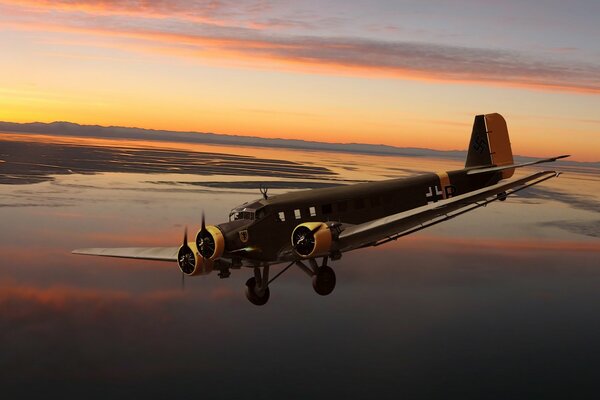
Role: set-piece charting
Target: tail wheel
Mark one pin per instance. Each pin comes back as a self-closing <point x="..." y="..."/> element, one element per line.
<point x="256" y="296"/>
<point x="324" y="281"/>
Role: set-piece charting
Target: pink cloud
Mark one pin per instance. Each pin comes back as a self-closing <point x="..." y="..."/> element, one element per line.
<point x="249" y="45"/>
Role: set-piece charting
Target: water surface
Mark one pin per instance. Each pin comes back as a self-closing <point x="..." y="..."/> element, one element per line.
<point x="503" y="302"/>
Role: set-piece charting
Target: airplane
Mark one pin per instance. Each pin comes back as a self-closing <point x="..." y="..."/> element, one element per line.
<point x="304" y="227"/>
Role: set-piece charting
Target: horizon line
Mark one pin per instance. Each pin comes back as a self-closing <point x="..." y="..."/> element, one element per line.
<point x="391" y="148"/>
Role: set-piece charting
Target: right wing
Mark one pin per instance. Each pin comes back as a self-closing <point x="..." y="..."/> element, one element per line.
<point x="509" y="166"/>
<point x="392" y="227"/>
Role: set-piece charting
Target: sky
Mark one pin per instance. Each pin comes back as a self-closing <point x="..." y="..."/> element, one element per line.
<point x="402" y="73"/>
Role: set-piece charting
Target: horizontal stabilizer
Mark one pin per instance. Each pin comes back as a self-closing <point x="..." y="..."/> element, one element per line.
<point x="503" y="167"/>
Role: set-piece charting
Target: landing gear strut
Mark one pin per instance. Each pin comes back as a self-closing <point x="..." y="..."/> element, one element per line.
<point x="257" y="287"/>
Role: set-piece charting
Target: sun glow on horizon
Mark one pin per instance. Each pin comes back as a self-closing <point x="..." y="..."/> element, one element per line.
<point x="238" y="73"/>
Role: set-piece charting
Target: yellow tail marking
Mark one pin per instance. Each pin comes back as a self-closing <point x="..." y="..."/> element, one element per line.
<point x="444" y="182"/>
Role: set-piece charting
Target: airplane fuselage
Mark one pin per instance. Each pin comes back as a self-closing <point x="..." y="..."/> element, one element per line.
<point x="263" y="228"/>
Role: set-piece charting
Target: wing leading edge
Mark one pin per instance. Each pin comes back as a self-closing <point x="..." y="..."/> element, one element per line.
<point x="509" y="166"/>
<point x="392" y="227"/>
<point x="138" y="253"/>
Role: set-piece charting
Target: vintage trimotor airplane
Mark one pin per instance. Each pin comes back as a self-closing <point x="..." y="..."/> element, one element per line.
<point x="321" y="224"/>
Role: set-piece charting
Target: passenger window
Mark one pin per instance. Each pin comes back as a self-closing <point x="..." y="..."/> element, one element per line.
<point x="343" y="206"/>
<point x="297" y="214"/>
<point x="359" y="203"/>
<point x="326" y="209"/>
<point x="312" y="211"/>
<point x="281" y="216"/>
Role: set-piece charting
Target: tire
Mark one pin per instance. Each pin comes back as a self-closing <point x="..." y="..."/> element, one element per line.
<point x="253" y="297"/>
<point x="324" y="281"/>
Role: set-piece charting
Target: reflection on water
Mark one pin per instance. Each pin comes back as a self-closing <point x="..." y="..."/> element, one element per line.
<point x="503" y="302"/>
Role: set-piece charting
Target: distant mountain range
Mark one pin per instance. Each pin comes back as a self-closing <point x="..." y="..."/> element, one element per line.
<point x="117" y="132"/>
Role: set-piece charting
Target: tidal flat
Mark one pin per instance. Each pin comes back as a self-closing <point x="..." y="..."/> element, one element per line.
<point x="503" y="302"/>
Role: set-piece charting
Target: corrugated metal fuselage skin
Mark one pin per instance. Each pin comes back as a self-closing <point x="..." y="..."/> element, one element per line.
<point x="268" y="236"/>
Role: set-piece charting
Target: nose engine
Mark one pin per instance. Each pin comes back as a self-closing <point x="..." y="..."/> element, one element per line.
<point x="312" y="239"/>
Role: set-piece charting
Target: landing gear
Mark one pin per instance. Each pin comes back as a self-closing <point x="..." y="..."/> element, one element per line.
<point x="256" y="297"/>
<point x="257" y="287"/>
<point x="502" y="196"/>
<point x="324" y="280"/>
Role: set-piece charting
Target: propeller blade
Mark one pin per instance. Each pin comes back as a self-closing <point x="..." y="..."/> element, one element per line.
<point x="203" y="229"/>
<point x="185" y="236"/>
<point x="182" y="282"/>
<point x="314" y="230"/>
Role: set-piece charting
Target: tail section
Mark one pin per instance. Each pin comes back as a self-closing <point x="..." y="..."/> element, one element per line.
<point x="490" y="144"/>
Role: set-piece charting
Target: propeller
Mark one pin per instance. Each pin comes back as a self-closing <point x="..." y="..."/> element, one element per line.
<point x="184" y="244"/>
<point x="304" y="239"/>
<point x="205" y="241"/>
<point x="185" y="257"/>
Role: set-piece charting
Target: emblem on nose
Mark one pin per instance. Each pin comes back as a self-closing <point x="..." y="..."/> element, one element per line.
<point x="244" y="236"/>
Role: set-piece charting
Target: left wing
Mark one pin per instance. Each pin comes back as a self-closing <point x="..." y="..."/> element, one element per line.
<point x="392" y="227"/>
<point x="139" y="253"/>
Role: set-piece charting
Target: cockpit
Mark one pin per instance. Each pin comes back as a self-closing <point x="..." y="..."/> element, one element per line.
<point x="247" y="212"/>
<point x="235" y="215"/>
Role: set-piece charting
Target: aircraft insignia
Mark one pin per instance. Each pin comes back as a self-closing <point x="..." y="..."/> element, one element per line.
<point x="480" y="144"/>
<point x="434" y="194"/>
<point x="244" y="236"/>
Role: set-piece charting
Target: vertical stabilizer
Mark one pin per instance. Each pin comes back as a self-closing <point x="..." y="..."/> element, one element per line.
<point x="490" y="144"/>
<point x="479" y="148"/>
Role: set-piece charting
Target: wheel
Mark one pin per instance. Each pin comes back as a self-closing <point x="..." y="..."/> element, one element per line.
<point x="254" y="297"/>
<point x="324" y="281"/>
<point x="502" y="196"/>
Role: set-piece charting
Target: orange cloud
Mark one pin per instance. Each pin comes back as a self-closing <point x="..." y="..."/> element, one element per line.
<point x="331" y="55"/>
<point x="210" y="12"/>
<point x="69" y="297"/>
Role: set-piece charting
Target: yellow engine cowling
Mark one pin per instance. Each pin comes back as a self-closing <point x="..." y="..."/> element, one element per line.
<point x="312" y="239"/>
<point x="191" y="263"/>
<point x="210" y="242"/>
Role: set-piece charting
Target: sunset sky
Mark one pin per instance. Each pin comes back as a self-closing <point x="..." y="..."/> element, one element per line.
<point x="403" y="73"/>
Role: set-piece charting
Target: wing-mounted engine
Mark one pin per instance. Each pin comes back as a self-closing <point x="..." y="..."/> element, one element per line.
<point x="312" y="239"/>
<point x="210" y="242"/>
<point x="190" y="262"/>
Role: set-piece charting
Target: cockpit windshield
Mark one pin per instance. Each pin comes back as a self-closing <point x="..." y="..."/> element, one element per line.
<point x="235" y="215"/>
<point x="246" y="213"/>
